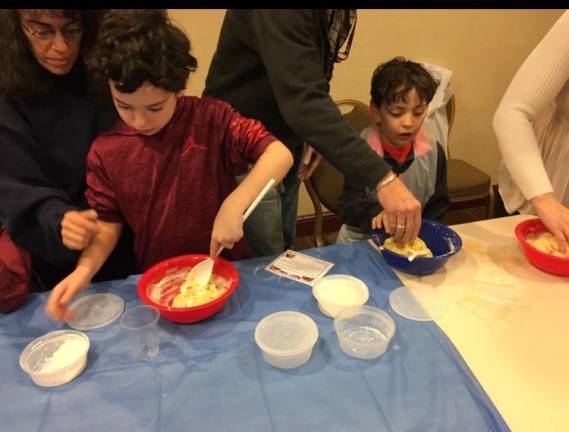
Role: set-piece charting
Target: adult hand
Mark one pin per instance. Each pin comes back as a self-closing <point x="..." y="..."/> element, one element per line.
<point x="402" y="211"/>
<point x="63" y="293"/>
<point x="378" y="221"/>
<point x="78" y="228"/>
<point x="555" y="216"/>
<point x="227" y="227"/>
<point x="310" y="162"/>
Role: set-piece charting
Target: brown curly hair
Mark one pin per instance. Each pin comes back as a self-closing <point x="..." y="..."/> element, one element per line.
<point x="140" y="45"/>
<point x="392" y="80"/>
<point x="21" y="74"/>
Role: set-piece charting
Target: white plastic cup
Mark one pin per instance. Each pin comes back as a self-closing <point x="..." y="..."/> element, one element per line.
<point x="286" y="338"/>
<point x="336" y="292"/>
<point x="140" y="325"/>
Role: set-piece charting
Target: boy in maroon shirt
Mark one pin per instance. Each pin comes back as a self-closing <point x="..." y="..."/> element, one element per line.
<point x="168" y="168"/>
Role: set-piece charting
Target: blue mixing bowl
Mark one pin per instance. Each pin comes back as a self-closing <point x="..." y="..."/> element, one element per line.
<point x="440" y="239"/>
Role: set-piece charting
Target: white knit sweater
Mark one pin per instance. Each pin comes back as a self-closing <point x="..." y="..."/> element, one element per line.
<point x="532" y="124"/>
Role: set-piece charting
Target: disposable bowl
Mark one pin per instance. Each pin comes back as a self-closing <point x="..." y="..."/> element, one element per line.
<point x="443" y="242"/>
<point x="335" y="292"/>
<point x="542" y="260"/>
<point x="286" y="338"/>
<point x="56" y="357"/>
<point x="154" y="292"/>
<point x="364" y="331"/>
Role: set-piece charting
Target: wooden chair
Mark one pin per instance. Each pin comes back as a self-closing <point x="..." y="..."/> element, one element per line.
<point x="468" y="186"/>
<point x="326" y="183"/>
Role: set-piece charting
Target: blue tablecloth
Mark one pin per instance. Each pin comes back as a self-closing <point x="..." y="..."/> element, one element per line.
<point x="211" y="376"/>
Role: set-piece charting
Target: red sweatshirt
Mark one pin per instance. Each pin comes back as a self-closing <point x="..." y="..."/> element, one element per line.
<point x="169" y="186"/>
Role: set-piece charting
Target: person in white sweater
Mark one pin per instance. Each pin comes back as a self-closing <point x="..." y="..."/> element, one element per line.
<point x="532" y="128"/>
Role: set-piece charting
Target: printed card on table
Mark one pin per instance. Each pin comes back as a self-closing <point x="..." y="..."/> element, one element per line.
<point x="299" y="267"/>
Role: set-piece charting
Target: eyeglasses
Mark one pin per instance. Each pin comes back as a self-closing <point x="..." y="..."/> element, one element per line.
<point x="69" y="32"/>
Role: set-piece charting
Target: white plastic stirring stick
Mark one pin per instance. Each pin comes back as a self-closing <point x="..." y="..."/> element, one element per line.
<point x="201" y="273"/>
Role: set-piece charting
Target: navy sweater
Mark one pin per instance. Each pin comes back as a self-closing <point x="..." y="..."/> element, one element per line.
<point x="44" y="142"/>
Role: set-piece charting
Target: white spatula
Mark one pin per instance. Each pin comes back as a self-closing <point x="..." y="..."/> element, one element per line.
<point x="200" y="275"/>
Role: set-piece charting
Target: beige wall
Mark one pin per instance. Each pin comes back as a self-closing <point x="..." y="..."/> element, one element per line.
<point x="483" y="48"/>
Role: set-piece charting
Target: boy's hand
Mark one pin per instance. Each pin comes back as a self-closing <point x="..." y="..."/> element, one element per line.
<point x="78" y="228"/>
<point x="227" y="227"/>
<point x="555" y="216"/>
<point x="63" y="293"/>
<point x="403" y="211"/>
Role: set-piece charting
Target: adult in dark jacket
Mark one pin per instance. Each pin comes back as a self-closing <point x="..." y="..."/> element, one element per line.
<point x="275" y="66"/>
<point x="47" y="124"/>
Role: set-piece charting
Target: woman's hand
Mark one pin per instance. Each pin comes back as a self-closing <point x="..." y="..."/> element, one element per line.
<point x="402" y="211"/>
<point x="78" y="228"/>
<point x="63" y="293"/>
<point x="555" y="216"/>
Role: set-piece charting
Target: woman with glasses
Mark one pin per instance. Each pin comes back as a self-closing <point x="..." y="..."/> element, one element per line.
<point x="47" y="123"/>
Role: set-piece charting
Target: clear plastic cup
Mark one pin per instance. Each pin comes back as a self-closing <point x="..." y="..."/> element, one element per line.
<point x="140" y="325"/>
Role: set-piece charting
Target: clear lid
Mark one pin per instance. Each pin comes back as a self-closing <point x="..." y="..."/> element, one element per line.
<point x="95" y="310"/>
<point x="418" y="303"/>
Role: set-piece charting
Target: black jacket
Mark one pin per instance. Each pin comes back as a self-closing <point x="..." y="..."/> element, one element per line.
<point x="274" y="65"/>
<point x="44" y="142"/>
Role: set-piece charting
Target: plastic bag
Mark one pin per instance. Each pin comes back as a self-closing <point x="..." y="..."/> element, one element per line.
<point x="436" y="124"/>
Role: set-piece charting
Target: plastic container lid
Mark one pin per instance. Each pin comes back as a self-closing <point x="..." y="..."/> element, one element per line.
<point x="286" y="333"/>
<point x="418" y="304"/>
<point x="95" y="310"/>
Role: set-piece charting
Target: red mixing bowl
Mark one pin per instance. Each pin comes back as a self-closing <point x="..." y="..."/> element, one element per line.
<point x="542" y="260"/>
<point x="175" y="269"/>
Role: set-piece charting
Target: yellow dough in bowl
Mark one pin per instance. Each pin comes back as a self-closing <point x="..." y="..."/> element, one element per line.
<point x="192" y="295"/>
<point x="413" y="248"/>
<point x="545" y="242"/>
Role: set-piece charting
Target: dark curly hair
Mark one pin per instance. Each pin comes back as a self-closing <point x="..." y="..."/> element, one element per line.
<point x="141" y="45"/>
<point x="392" y="81"/>
<point x="21" y="74"/>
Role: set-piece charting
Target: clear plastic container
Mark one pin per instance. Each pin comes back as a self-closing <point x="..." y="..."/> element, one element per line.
<point x="335" y="292"/>
<point x="286" y="338"/>
<point x="56" y="357"/>
<point x="364" y="331"/>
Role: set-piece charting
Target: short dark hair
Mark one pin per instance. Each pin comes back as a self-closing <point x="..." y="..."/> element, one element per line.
<point x="21" y="74"/>
<point x="141" y="45"/>
<point x="393" y="80"/>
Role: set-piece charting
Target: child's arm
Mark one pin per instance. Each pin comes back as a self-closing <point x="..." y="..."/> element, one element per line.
<point x="274" y="163"/>
<point x="90" y="261"/>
